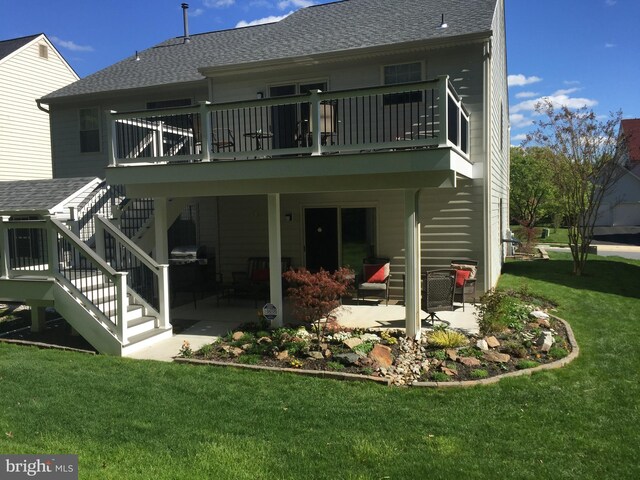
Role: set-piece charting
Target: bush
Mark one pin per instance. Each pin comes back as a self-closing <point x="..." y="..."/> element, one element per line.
<point x="557" y="353"/>
<point x="447" y="339"/>
<point x="524" y="364"/>
<point x="479" y="373"/>
<point x="499" y="310"/>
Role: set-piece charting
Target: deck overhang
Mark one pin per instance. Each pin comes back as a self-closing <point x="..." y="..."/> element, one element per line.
<point x="388" y="170"/>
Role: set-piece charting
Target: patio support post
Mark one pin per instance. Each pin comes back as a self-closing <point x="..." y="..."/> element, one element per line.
<point x="206" y="132"/>
<point x="275" y="256"/>
<point x="314" y="127"/>
<point x="161" y="227"/>
<point x="4" y="250"/>
<point x="38" y="316"/>
<point x="443" y="106"/>
<point x="111" y="138"/>
<point x="412" y="263"/>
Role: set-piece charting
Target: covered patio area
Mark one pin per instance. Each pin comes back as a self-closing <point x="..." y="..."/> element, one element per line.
<point x="209" y="319"/>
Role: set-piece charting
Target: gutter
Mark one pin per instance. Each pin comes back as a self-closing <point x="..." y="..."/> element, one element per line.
<point x="40" y="107"/>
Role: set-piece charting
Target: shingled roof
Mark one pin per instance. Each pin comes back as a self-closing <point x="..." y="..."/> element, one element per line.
<point x="7" y="47"/>
<point x="38" y="196"/>
<point x="349" y="25"/>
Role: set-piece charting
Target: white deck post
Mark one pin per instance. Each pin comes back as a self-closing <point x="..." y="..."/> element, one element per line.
<point x="412" y="264"/>
<point x="163" y="296"/>
<point x="4" y="250"/>
<point x="205" y="132"/>
<point x="161" y="227"/>
<point x="52" y="245"/>
<point x="275" y="256"/>
<point x="121" y="306"/>
<point x="111" y="139"/>
<point x="99" y="238"/>
<point x="315" y="128"/>
<point x="443" y="107"/>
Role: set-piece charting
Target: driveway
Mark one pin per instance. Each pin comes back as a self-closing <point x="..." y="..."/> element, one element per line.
<point x="626" y="251"/>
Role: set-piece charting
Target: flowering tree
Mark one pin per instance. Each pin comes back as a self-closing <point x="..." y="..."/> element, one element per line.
<point x="583" y="152"/>
<point x="314" y="295"/>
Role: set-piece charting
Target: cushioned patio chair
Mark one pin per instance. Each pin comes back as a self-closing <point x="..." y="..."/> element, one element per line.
<point x="374" y="279"/>
<point x="466" y="271"/>
<point x="439" y="286"/>
<point x="254" y="283"/>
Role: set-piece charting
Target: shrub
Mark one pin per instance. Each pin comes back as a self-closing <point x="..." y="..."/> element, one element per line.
<point x="206" y="350"/>
<point x="499" y="310"/>
<point x="479" y="373"/>
<point x="515" y="349"/>
<point x="250" y="359"/>
<point x="447" y="339"/>
<point x="439" y="377"/>
<point x="524" y="364"/>
<point x="185" y="350"/>
<point x="557" y="352"/>
<point x="335" y="366"/>
<point x="364" y="347"/>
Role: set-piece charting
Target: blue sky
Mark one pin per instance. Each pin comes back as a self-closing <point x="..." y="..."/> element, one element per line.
<point x="576" y="52"/>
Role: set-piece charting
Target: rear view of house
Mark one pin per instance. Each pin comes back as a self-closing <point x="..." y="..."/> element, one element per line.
<point x="30" y="67"/>
<point x="347" y="130"/>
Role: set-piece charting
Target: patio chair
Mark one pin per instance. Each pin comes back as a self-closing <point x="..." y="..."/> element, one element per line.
<point x="439" y="287"/>
<point x="254" y="283"/>
<point x="223" y="139"/>
<point x="375" y="278"/>
<point x="466" y="271"/>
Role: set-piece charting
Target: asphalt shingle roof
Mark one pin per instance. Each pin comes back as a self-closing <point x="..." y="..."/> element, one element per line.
<point x="333" y="27"/>
<point x="38" y="195"/>
<point x="7" y="47"/>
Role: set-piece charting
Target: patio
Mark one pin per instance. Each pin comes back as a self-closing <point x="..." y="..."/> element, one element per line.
<point x="213" y="319"/>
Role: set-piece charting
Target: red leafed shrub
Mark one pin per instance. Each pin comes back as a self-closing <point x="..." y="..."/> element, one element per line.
<point x="314" y="295"/>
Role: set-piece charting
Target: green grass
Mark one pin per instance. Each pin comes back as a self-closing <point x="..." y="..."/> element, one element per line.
<point x="149" y="420"/>
<point x="558" y="236"/>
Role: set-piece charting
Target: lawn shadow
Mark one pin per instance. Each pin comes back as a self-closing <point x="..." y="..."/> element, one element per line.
<point x="602" y="274"/>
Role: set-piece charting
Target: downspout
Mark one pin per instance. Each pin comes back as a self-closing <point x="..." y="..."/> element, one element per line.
<point x="40" y="107"/>
<point x="488" y="266"/>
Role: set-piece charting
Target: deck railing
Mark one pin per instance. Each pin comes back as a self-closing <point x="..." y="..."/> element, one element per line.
<point x="426" y="114"/>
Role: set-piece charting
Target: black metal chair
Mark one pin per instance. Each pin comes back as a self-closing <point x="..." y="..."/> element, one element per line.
<point x="375" y="278"/>
<point x="439" y="288"/>
<point x="465" y="282"/>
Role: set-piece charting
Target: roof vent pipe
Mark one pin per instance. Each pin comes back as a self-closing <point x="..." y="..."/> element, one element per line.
<point x="443" y="24"/>
<point x="185" y="19"/>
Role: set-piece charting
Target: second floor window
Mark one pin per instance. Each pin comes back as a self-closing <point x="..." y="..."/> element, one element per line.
<point x="89" y="130"/>
<point x="402" y="73"/>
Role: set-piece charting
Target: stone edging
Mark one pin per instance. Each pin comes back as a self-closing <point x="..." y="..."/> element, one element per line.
<point x="45" y="345"/>
<point x="353" y="377"/>
<point x="575" y="351"/>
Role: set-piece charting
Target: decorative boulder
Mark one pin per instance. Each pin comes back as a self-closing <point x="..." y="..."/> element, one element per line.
<point x="381" y="354"/>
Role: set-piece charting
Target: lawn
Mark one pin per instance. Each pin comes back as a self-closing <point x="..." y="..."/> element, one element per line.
<point x="141" y="419"/>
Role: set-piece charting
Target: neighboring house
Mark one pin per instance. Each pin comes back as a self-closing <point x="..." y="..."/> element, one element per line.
<point x="346" y="130"/>
<point x="30" y="67"/>
<point x="621" y="206"/>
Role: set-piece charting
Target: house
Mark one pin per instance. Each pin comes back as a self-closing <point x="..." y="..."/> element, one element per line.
<point x="621" y="205"/>
<point x="30" y="67"/>
<point x="345" y="130"/>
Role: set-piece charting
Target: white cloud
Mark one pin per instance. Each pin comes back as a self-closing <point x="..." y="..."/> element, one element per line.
<point x="571" y="82"/>
<point x="609" y="45"/>
<point x="521" y="137"/>
<point x="261" y="21"/>
<point x="196" y="13"/>
<point x="558" y="99"/>
<point x="610" y="3"/>
<point x="284" y="4"/>
<point x="70" y="45"/>
<point x="526" y="94"/>
<point x="218" y="3"/>
<point x="518" y="120"/>
<point x="564" y="91"/>
<point x="520" y="80"/>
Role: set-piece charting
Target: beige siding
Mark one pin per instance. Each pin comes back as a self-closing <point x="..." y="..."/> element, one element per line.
<point x="498" y="181"/>
<point x="25" y="149"/>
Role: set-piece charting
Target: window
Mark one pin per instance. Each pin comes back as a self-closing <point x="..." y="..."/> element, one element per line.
<point x="43" y="51"/>
<point x="403" y="73"/>
<point x="89" y="130"/>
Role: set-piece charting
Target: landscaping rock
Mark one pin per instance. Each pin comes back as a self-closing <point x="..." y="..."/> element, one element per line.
<point x="469" y="361"/>
<point x="496" y="357"/>
<point x="316" y="355"/>
<point x="545" y="341"/>
<point x="381" y="354"/>
<point x="544" y="323"/>
<point x="262" y="340"/>
<point x="539" y="315"/>
<point x="237" y="336"/>
<point x="448" y="371"/>
<point x="482" y="345"/>
<point x="246" y="347"/>
<point x="347" y="358"/>
<point x="282" y="355"/>
<point x="352" y="342"/>
<point x="327" y="353"/>
<point x="452" y="354"/>
<point x="492" y="342"/>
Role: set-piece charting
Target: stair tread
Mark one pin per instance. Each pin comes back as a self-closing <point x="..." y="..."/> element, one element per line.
<point x="145" y="335"/>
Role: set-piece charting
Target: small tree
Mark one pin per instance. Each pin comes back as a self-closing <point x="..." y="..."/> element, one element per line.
<point x="583" y="152"/>
<point x="315" y="295"/>
<point x="533" y="194"/>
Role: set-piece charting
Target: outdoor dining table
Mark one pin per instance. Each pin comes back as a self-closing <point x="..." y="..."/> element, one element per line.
<point x="259" y="137"/>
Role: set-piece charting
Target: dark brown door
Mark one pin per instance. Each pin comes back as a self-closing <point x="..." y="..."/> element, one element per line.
<point x="321" y="238"/>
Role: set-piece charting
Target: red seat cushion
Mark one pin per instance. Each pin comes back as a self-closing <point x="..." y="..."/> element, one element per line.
<point x="260" y="275"/>
<point x="375" y="273"/>
<point x="461" y="276"/>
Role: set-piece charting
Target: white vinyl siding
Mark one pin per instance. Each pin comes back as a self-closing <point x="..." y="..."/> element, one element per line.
<point x="25" y="145"/>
